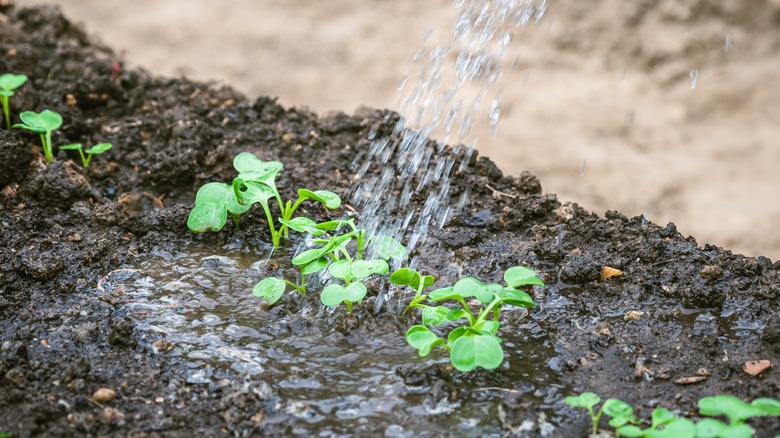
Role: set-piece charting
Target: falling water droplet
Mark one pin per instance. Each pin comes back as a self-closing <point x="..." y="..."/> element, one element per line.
<point x="630" y="115"/>
<point x="583" y="166"/>
<point x="694" y="77"/>
<point x="729" y="43"/>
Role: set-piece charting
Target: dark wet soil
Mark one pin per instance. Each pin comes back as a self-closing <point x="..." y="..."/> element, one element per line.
<point x="678" y="310"/>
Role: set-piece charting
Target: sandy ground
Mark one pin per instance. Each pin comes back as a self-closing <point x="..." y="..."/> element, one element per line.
<point x="598" y="99"/>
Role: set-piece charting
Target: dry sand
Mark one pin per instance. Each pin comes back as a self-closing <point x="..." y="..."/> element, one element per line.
<point x="599" y="103"/>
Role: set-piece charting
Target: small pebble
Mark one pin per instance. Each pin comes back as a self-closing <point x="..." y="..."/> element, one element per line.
<point x="104" y="395"/>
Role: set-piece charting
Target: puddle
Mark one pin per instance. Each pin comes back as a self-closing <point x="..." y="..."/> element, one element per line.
<point x="198" y="306"/>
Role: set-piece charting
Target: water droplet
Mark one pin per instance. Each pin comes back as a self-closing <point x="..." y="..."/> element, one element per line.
<point x="694" y="77"/>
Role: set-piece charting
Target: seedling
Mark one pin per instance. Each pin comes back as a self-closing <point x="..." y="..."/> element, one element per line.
<point x="44" y="124"/>
<point x="94" y="150"/>
<point x="475" y="344"/>
<point x="255" y="184"/>
<point x="8" y="83"/>
<point x="664" y="424"/>
<point x="333" y="252"/>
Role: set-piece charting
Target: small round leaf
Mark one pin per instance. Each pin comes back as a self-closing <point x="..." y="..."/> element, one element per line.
<point x="99" y="148"/>
<point x="10" y="81"/>
<point x="520" y="275"/>
<point x="433" y="316"/>
<point x="367" y="268"/>
<point x="329" y="199"/>
<point x="472" y="351"/>
<point x="340" y="269"/>
<point x="334" y="294"/>
<point x="207" y="217"/>
<point x="422" y="339"/>
<point x="70" y="147"/>
<point x="385" y="247"/>
<point x="270" y="289"/>
<point x="315" y="266"/>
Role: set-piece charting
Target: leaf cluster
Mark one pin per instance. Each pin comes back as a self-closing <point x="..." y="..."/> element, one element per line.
<point x="474" y="343"/>
<point x="332" y="251"/>
<point x="8" y="83"/>
<point x="43" y="123"/>
<point x="664" y="424"/>
<point x="94" y="150"/>
<point x="255" y="184"/>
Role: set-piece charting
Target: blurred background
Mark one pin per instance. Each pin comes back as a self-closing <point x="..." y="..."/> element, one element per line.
<point x="667" y="108"/>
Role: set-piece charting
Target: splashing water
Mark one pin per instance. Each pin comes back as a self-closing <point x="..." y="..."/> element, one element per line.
<point x="438" y="100"/>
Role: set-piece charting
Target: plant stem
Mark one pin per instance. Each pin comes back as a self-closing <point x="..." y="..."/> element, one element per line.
<point x="46" y="144"/>
<point x="4" y="100"/>
<point x="349" y="306"/>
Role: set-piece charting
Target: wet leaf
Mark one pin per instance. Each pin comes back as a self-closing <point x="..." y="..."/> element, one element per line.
<point x="488" y="326"/>
<point x="422" y="339"/>
<point x="329" y="199"/>
<point x="708" y="427"/>
<point x="433" y="316"/>
<point x="270" y="289"/>
<point x="210" y="211"/>
<point x="735" y="409"/>
<point x="476" y="350"/>
<point x="315" y="266"/>
<point x="457" y="333"/>
<point x="444" y="293"/>
<point x="662" y="416"/>
<point x="520" y="276"/>
<point x="471" y="287"/>
<point x="367" y="268"/>
<point x="405" y="277"/>
<point x="334" y="294"/>
<point x="515" y="297"/>
<point x="340" y="269"/>
<point x="303" y="225"/>
<point x="250" y="192"/>
<point x="456" y="314"/>
<point x="630" y="431"/>
<point x="385" y="247"/>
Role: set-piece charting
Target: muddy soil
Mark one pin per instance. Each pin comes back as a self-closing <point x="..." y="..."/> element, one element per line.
<point x="679" y="309"/>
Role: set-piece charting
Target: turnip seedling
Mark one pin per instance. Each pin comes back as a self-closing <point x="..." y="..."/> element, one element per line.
<point x="94" y="150"/>
<point x="8" y="83"/>
<point x="475" y="344"/>
<point x="44" y="124"/>
<point x="255" y="184"/>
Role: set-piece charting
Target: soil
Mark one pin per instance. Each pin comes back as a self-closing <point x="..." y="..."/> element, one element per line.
<point x="596" y="98"/>
<point x="678" y="310"/>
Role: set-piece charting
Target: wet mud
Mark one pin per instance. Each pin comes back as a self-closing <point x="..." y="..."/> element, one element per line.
<point x="103" y="286"/>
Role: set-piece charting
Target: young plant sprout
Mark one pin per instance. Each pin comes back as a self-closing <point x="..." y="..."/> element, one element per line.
<point x="333" y="252"/>
<point x="664" y="424"/>
<point x="255" y="184"/>
<point x="44" y="124"/>
<point x="94" y="150"/>
<point x="474" y="344"/>
<point x="8" y="83"/>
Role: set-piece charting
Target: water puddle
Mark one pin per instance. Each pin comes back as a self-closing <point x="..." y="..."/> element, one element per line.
<point x="195" y="307"/>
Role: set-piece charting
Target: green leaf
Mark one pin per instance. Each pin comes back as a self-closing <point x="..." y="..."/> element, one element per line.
<point x="98" y="148"/>
<point x="515" y="297"/>
<point x="662" y="416"/>
<point x="70" y="147"/>
<point x="329" y="199"/>
<point x="489" y="326"/>
<point x="315" y="266"/>
<point x="620" y="411"/>
<point x="520" y="276"/>
<point x="471" y="287"/>
<point x="250" y="192"/>
<point x="270" y="289"/>
<point x="472" y="351"/>
<point x="367" y="268"/>
<point x="457" y="333"/>
<point x="385" y="247"/>
<point x="766" y="406"/>
<point x="433" y="316"/>
<point x="10" y="81"/>
<point x="246" y="162"/>
<point x="340" y="269"/>
<point x="46" y="121"/>
<point x="334" y="294"/>
<point x="630" y="431"/>
<point x="444" y="293"/>
<point x="405" y="277"/>
<point x="232" y="204"/>
<point x="302" y="225"/>
<point x="678" y="428"/>
<point x="584" y="400"/>
<point x="210" y="212"/>
<point x="311" y="255"/>
<point x="333" y="225"/>
<point x="710" y="428"/>
<point x="422" y="339"/>
<point x="456" y="314"/>
<point x="732" y="407"/>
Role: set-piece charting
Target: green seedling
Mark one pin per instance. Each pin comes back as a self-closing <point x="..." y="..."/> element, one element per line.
<point x="44" y="124"/>
<point x="332" y="251"/>
<point x="8" y="83"/>
<point x="664" y="424"/>
<point x="737" y="412"/>
<point x="476" y="343"/>
<point x="255" y="184"/>
<point x="94" y="150"/>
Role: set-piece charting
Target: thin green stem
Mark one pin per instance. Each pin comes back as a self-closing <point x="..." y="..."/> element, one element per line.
<point x="6" y="111"/>
<point x="85" y="160"/>
<point x="46" y="144"/>
<point x="349" y="306"/>
<point x="296" y="287"/>
<point x="468" y="311"/>
<point x="274" y="235"/>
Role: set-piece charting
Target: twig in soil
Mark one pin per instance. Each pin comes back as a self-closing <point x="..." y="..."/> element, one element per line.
<point x="498" y="193"/>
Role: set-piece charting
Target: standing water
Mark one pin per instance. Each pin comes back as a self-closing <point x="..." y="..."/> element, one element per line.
<point x="455" y="84"/>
